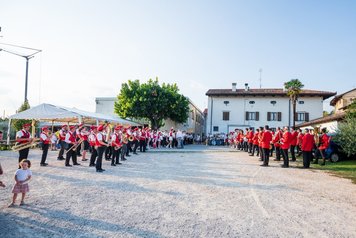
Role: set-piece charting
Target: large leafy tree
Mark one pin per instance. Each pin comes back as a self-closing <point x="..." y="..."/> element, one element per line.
<point x="152" y="101"/>
<point x="294" y="88"/>
<point x="17" y="123"/>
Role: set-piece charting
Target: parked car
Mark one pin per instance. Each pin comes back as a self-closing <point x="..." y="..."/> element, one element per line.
<point x="334" y="151"/>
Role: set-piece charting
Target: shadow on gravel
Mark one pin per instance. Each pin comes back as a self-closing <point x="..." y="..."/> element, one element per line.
<point x="61" y="224"/>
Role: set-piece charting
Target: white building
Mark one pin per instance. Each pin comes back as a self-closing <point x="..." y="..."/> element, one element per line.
<point x="105" y="105"/>
<point x="233" y="108"/>
<point x="194" y="123"/>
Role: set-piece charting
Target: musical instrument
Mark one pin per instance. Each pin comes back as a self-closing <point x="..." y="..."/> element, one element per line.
<point x="131" y="138"/>
<point x="125" y="139"/>
<point x="26" y="145"/>
<point x="75" y="146"/>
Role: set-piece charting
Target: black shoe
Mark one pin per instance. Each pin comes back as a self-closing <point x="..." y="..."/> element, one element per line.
<point x="264" y="165"/>
<point x="322" y="164"/>
<point x="128" y="155"/>
<point x="285" y="166"/>
<point x="118" y="163"/>
<point x="124" y="159"/>
<point x="68" y="165"/>
<point x="107" y="159"/>
<point x="276" y="160"/>
<point x="60" y="158"/>
<point x="99" y="170"/>
<point x="84" y="159"/>
<point x="135" y="153"/>
<point x="91" y="165"/>
<point x="251" y="155"/>
<point x="113" y="164"/>
<point x="44" y="164"/>
<point x="76" y="164"/>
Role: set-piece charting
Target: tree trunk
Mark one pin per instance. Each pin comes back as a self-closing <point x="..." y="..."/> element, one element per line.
<point x="294" y="111"/>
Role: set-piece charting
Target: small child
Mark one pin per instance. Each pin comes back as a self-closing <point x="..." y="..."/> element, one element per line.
<point x="22" y="176"/>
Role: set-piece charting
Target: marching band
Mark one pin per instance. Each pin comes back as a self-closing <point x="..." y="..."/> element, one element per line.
<point x="263" y="141"/>
<point x="117" y="144"/>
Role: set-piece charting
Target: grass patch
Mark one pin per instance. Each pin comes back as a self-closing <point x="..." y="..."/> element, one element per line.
<point x="344" y="169"/>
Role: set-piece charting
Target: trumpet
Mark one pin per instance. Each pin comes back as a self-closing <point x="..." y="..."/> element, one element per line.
<point x="26" y="145"/>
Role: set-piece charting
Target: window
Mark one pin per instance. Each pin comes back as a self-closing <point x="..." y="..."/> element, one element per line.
<point x="215" y="128"/>
<point x="226" y="102"/>
<point x="251" y="102"/>
<point x="273" y="103"/>
<point x="274" y="116"/>
<point x="301" y="116"/>
<point x="252" y="116"/>
<point x="226" y="116"/>
<point x="301" y="102"/>
<point x="192" y="114"/>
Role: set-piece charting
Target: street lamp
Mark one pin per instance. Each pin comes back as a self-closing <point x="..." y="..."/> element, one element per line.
<point x="27" y="57"/>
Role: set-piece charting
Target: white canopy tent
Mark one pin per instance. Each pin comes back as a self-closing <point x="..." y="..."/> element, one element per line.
<point x="52" y="113"/>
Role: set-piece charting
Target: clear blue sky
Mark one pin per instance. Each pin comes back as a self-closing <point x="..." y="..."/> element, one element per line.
<point x="91" y="47"/>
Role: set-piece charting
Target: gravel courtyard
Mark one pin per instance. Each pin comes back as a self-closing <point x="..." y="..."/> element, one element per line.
<point x="191" y="193"/>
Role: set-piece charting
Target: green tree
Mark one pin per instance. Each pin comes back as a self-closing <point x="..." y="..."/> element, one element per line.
<point x="294" y="88"/>
<point x="346" y="136"/>
<point x="151" y="101"/>
<point x="17" y="123"/>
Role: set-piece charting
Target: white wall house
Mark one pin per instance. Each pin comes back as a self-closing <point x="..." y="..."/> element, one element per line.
<point x="105" y="105"/>
<point x="233" y="108"/>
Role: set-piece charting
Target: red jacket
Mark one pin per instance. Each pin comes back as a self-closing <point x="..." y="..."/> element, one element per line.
<point x="255" y="139"/>
<point x="324" y="142"/>
<point x="250" y="136"/>
<point x="286" y="140"/>
<point x="294" y="138"/>
<point x="276" y="139"/>
<point x="307" y="142"/>
<point x="300" y="138"/>
<point x="266" y="139"/>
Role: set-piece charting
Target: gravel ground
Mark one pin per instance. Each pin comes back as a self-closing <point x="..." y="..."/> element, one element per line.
<point x="196" y="194"/>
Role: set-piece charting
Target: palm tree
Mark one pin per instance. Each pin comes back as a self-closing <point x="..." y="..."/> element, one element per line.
<point x="294" y="88"/>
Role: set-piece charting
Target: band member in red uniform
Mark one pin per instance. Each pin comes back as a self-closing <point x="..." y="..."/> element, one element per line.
<point x="250" y="140"/>
<point x="307" y="147"/>
<point x="277" y="145"/>
<point x="324" y="144"/>
<point x="285" y="144"/>
<point x="136" y="135"/>
<point x="255" y="142"/>
<point x="100" y="145"/>
<point x="116" y="144"/>
<point x="46" y="141"/>
<point x="143" y="140"/>
<point x="71" y="152"/>
<point x="84" y="134"/>
<point x="61" y="141"/>
<point x="266" y="143"/>
<point x="293" y="143"/>
<point x="92" y="143"/>
<point x="24" y="136"/>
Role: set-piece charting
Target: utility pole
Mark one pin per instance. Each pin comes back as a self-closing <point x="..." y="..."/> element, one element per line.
<point x="27" y="57"/>
<point x="260" y="78"/>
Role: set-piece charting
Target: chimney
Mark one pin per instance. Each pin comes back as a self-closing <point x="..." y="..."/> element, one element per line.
<point x="234" y="87"/>
<point x="246" y="87"/>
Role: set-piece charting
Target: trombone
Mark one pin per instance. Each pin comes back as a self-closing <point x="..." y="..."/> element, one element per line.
<point x="75" y="146"/>
<point x="26" y="145"/>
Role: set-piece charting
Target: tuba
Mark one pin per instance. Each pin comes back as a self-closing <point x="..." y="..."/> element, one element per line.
<point x="125" y="139"/>
<point x="131" y="138"/>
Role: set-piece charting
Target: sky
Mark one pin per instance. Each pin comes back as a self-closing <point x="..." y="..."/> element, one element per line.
<point x="89" y="48"/>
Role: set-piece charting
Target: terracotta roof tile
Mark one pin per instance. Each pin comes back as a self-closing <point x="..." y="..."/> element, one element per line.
<point x="266" y="92"/>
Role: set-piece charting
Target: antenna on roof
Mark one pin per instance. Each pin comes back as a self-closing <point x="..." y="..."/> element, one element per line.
<point x="260" y="78"/>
